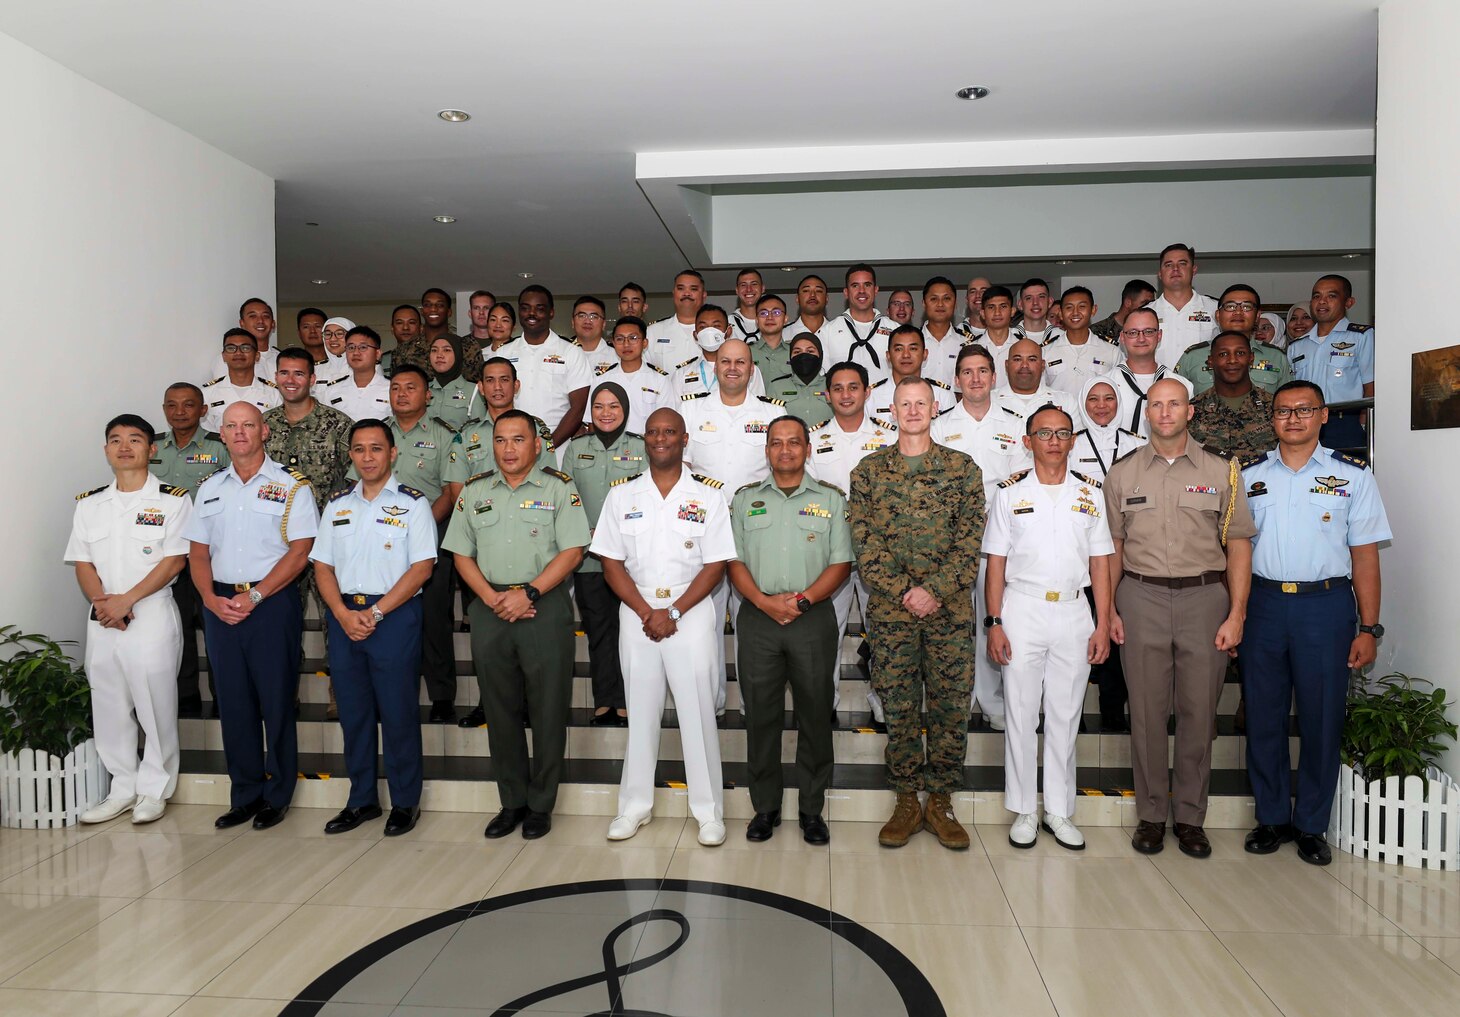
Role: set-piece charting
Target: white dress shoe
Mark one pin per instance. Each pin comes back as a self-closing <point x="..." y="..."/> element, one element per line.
<point x="624" y="827"/>
<point x="108" y="808"/>
<point x="995" y="723"/>
<point x="148" y="809"/>
<point x="712" y="834"/>
<point x="1025" y="830"/>
<point x="1065" y="832"/>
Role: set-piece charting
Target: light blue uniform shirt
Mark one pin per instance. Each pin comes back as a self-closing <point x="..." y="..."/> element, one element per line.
<point x="1308" y="520"/>
<point x="371" y="544"/>
<point x="248" y="527"/>
<point x="1340" y="363"/>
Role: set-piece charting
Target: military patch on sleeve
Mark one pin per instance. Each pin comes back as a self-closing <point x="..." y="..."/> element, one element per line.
<point x="1086" y="480"/>
<point x="773" y="402"/>
<point x="411" y="491"/>
<point x="559" y="474"/>
<point x="625" y="480"/>
<point x="1014" y="479"/>
<point x="708" y="481"/>
<point x="296" y="474"/>
<point x="830" y="486"/>
<point x="349" y="486"/>
<point x="95" y="490"/>
<point x="173" y="489"/>
<point x="574" y="500"/>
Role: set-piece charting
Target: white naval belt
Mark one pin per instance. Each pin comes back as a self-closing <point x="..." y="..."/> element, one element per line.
<point x="663" y="592"/>
<point x="1040" y="593"/>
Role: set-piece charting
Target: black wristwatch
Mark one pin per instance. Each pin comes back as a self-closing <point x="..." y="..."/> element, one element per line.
<point x="532" y="593"/>
<point x="802" y="604"/>
<point x="990" y="620"/>
<point x="1376" y="630"/>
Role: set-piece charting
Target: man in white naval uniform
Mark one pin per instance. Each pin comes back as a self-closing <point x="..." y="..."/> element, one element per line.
<point x="1034" y="306"/>
<point x="240" y="383"/>
<point x="1140" y="340"/>
<point x="127" y="545"/>
<point x="850" y="436"/>
<point x="257" y="318"/>
<point x="671" y="339"/>
<point x="940" y="338"/>
<point x="554" y="373"/>
<point x="365" y="390"/>
<point x="998" y="337"/>
<point x="1079" y="354"/>
<point x="1024" y="391"/>
<point x="861" y="333"/>
<point x="749" y="287"/>
<point x="994" y="440"/>
<point x="712" y="328"/>
<point x="664" y="538"/>
<point x="1184" y="316"/>
<point x="727" y="429"/>
<point x="1046" y="540"/>
<point x="906" y="358"/>
<point x="972" y="326"/>
<point x="589" y="320"/>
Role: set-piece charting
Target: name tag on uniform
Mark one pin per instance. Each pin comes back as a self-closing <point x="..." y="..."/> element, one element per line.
<point x="586" y="455"/>
<point x="341" y="522"/>
<point x="1299" y="358"/>
<point x="425" y="444"/>
<point x="828" y="448"/>
<point x="1257" y="489"/>
<point x="1024" y="511"/>
<point x="1136" y="501"/>
<point x="634" y="515"/>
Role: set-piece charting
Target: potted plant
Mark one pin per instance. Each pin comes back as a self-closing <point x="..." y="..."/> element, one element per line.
<point x="1393" y="801"/>
<point x="50" y="771"/>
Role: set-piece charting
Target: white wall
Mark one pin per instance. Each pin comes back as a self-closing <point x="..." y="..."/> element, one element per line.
<point x="128" y="246"/>
<point x="1418" y="148"/>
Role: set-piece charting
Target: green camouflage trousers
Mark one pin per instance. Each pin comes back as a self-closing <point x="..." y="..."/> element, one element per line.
<point x="935" y="655"/>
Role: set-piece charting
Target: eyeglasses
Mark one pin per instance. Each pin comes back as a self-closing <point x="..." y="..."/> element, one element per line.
<point x="238" y="348"/>
<point x="1238" y="305"/>
<point x="357" y="347"/>
<point x="1140" y="333"/>
<point x="587" y="316"/>
<point x="1046" y="433"/>
<point x="771" y="312"/>
<point x="1301" y="412"/>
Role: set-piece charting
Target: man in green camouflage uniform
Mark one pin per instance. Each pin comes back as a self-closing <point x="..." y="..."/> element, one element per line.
<point x="1234" y="415"/>
<point x="435" y="323"/>
<point x="802" y="387"/>
<point x="917" y="523"/>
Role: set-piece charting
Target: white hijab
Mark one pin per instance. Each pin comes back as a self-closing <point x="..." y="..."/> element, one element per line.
<point x="1279" y="329"/>
<point x="1107" y="441"/>
<point x="336" y="359"/>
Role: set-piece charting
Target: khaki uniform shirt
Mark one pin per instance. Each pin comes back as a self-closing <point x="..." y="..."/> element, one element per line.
<point x="594" y="468"/>
<point x="190" y="465"/>
<point x="513" y="534"/>
<point x="1170" y="515"/>
<point x="788" y="541"/>
<point x="317" y="445"/>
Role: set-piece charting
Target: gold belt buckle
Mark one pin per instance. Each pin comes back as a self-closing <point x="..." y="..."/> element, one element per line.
<point x="242" y="587"/>
<point x="1052" y="596"/>
<point x="661" y="592"/>
<point x="357" y="598"/>
<point x="1290" y="587"/>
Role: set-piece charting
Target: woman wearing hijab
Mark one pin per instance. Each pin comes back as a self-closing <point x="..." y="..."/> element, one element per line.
<point x="1299" y="324"/>
<point x="334" y="332"/>
<point x="1271" y="330"/>
<point x="451" y="393"/>
<point x="608" y="453"/>
<point x="1097" y="445"/>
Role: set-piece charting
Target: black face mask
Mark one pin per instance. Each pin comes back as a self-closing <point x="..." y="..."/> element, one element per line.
<point x="806" y="366"/>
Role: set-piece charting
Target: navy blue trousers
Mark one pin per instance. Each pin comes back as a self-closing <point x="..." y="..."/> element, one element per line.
<point x="256" y="676"/>
<point x="1296" y="645"/>
<point x="375" y="682"/>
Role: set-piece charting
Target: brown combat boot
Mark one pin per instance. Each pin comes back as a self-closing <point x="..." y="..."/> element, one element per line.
<point x="939" y="819"/>
<point x="907" y="819"/>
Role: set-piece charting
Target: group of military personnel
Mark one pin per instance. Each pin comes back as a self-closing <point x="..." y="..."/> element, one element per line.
<point x="1023" y="502"/>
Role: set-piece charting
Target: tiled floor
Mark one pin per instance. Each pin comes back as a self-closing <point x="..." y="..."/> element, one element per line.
<point x="176" y="918"/>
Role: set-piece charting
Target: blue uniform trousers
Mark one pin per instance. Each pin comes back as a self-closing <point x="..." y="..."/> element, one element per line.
<point x="375" y="682"/>
<point x="1296" y="644"/>
<point x="256" y="675"/>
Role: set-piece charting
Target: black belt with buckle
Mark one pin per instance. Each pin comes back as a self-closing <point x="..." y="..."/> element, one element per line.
<point x="1179" y="582"/>
<point x="504" y="587"/>
<point x="362" y="599"/>
<point x="227" y="589"/>
<point x="1321" y="586"/>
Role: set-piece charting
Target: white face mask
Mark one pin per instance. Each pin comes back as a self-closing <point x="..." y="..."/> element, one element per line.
<point x="710" y="339"/>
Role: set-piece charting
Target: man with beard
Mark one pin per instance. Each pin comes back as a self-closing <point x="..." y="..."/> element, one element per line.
<point x="671" y="340"/>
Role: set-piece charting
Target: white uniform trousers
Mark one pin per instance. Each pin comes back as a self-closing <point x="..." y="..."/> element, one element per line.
<point x="841" y="604"/>
<point x="685" y="665"/>
<point x="988" y="677"/>
<point x="135" y="671"/>
<point x="724" y="598"/>
<point x="1049" y="643"/>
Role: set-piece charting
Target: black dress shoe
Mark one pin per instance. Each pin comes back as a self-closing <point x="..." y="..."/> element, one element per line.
<point x="620" y="719"/>
<point x="1192" y="840"/>
<point x="476" y="718"/>
<point x="813" y="830"/>
<point x="190" y="707"/>
<point x="443" y="711"/>
<point x="505" y="822"/>
<point x="269" y="816"/>
<point x="763" y="826"/>
<point x="1149" y="838"/>
<point x="349" y="818"/>
<point x="1114" y="724"/>
<point x="238" y="815"/>
<point x="1267" y="838"/>
<point x="605" y="719"/>
<point x="537" y="824"/>
<point x="1313" y="849"/>
<point x="402" y="820"/>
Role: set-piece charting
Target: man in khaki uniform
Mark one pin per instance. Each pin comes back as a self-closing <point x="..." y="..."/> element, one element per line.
<point x="1183" y="565"/>
<point x="793" y="549"/>
<point x="518" y="532"/>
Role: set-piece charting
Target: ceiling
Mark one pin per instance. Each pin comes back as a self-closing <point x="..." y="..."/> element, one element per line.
<point x="336" y="100"/>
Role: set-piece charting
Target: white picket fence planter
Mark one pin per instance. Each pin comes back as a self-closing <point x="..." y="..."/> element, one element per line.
<point x="1414" y="821"/>
<point x="39" y="791"/>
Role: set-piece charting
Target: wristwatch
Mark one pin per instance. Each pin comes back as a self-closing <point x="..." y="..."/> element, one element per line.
<point x="674" y="613"/>
<point x="802" y="604"/>
<point x="1376" y="630"/>
<point x="990" y="620"/>
<point x="377" y="614"/>
<point x="532" y="593"/>
<point x="255" y="596"/>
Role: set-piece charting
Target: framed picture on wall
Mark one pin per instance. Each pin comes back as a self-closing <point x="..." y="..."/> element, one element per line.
<point x="1434" y="399"/>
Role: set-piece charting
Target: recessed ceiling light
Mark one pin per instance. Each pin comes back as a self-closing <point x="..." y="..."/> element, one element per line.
<point x="524" y="275"/>
<point x="1350" y="257"/>
<point x="972" y="92"/>
<point x="454" y="116"/>
<point x="311" y="224"/>
<point x="1066" y="261"/>
<point x="788" y="268"/>
<point x="320" y="282"/>
<point x="444" y="218"/>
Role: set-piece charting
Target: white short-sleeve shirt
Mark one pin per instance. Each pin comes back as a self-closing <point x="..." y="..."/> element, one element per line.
<point x="664" y="541"/>
<point x="1048" y="533"/>
<point x="125" y="535"/>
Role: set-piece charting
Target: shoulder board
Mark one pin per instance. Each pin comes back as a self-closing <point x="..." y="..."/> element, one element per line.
<point x="1085" y="480"/>
<point x="773" y="402"/>
<point x="821" y="426"/>
<point x="1123" y="458"/>
<point x="479" y="476"/>
<point x="625" y="480"/>
<point x="215" y="380"/>
<point x="832" y="487"/>
<point x="173" y="489"/>
<point x="1220" y="453"/>
<point x="544" y="432"/>
<point x="444" y="424"/>
<point x="267" y="382"/>
<point x="708" y="481"/>
<point x="686" y="363"/>
<point x="656" y="321"/>
<point x="939" y="384"/>
<point x="1194" y="347"/>
<point x="688" y="396"/>
<point x="349" y="486"/>
<point x="882" y="423"/>
<point x="1344" y="457"/>
<point x="95" y="490"/>
<point x="744" y="487"/>
<point x="1210" y="297"/>
<point x="559" y="474"/>
<point x="574" y="342"/>
<point x="409" y="490"/>
<point x="631" y="434"/>
<point x="657" y="369"/>
<point x="1247" y="462"/>
<point x="211" y="436"/>
<point x="1133" y="434"/>
<point x="296" y="474"/>
<point x="1014" y="479"/>
<point x="1354" y="326"/>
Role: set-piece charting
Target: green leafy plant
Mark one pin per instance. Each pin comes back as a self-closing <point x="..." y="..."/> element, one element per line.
<point x="1394" y="728"/>
<point x="45" y="701"/>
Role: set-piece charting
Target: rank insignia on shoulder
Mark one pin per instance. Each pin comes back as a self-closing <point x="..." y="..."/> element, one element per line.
<point x="559" y="474"/>
<point x="625" y="480"/>
<point x="1194" y="347"/>
<point x="1354" y="326"/>
<point x="406" y="489"/>
<point x="479" y="476"/>
<point x="773" y="402"/>
<point x="884" y="424"/>
<point x="1014" y="479"/>
<point x="600" y="369"/>
<point x="173" y="489"/>
<point x="657" y="369"/>
<point x="296" y="474"/>
<point x="1220" y="453"/>
<point x="1126" y="456"/>
<point x="269" y="383"/>
<point x="1352" y="460"/>
<point x="349" y="487"/>
<point x="686" y="363"/>
<point x="215" y="380"/>
<point x="689" y="396"/>
<point x="1249" y="461"/>
<point x="95" y="490"/>
<point x="938" y="384"/>
<point x="745" y="487"/>
<point x="1085" y="480"/>
<point x="708" y="481"/>
<point x="828" y="484"/>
